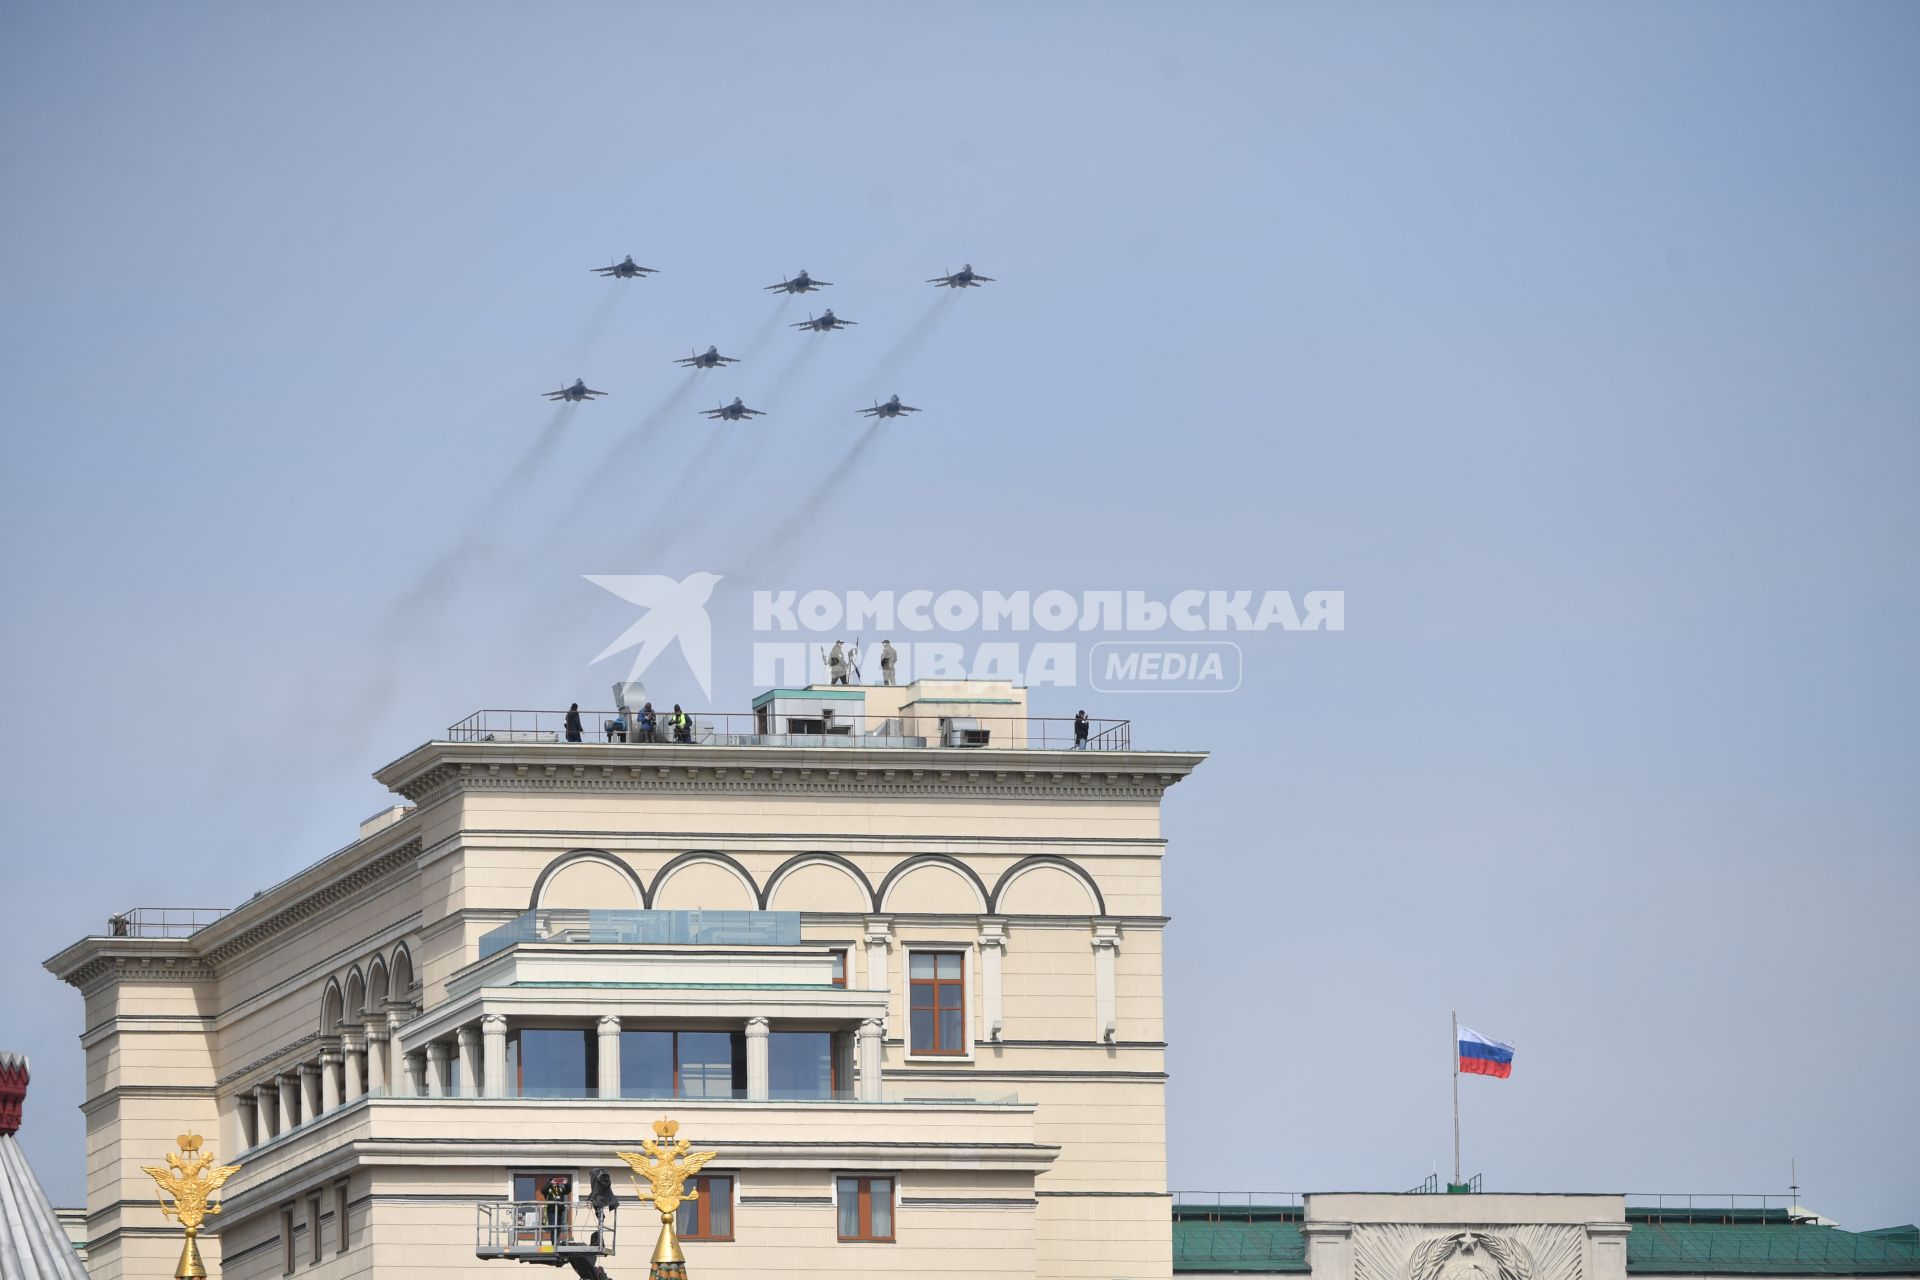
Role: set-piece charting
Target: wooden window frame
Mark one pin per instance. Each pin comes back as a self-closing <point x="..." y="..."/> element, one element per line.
<point x="864" y="1191"/>
<point x="965" y="1047"/>
<point x="703" y="1209"/>
<point x="845" y="957"/>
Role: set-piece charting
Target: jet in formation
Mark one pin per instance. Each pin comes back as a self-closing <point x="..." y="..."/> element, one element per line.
<point x="825" y="324"/>
<point x="708" y="359"/>
<point x="734" y="412"/>
<point x="891" y="409"/>
<point x="964" y="278"/>
<point x="626" y="269"/>
<point x="802" y="283"/>
<point x="578" y="391"/>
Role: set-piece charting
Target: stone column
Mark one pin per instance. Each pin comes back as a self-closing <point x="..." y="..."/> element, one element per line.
<point x="377" y="1058"/>
<point x="609" y="1057"/>
<point x="416" y="1075"/>
<point x="1106" y="946"/>
<point x="309" y="1092"/>
<point x="879" y="940"/>
<point x="397" y="1062"/>
<point x="871" y="1030"/>
<point x="757" y="1064"/>
<point x="329" y="1080"/>
<point x="247" y="1120"/>
<point x="289" y="1102"/>
<point x="266" y="1111"/>
<point x="437" y="1069"/>
<point x="355" y="1051"/>
<point x="469" y="1062"/>
<point x="493" y="1036"/>
<point x="993" y="950"/>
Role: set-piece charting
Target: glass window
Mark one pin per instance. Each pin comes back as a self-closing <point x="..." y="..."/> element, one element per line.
<point x="866" y="1208"/>
<point x="286" y="1242"/>
<point x="937" y="1010"/>
<point x="646" y="1064"/>
<point x="683" y="1064"/>
<point x="710" y="1216"/>
<point x="800" y="1064"/>
<point x="555" y="1063"/>
<point x="840" y="968"/>
<point x="707" y="1064"/>
<point x="314" y="1251"/>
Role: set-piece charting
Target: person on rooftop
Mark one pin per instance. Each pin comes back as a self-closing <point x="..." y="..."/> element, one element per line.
<point x="573" y="723"/>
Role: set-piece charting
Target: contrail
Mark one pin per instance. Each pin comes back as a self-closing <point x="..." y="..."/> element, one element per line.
<point x="615" y="465"/>
<point x="781" y="538"/>
<point x="596" y="322"/>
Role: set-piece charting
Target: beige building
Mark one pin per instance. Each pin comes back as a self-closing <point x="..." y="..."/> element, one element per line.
<point x="893" y="953"/>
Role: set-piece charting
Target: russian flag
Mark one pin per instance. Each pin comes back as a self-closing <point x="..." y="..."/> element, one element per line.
<point x="1480" y="1056"/>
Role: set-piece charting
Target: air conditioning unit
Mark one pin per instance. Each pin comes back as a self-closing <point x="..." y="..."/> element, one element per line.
<point x="958" y="732"/>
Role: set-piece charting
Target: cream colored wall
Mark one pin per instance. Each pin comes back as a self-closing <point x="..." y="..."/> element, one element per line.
<point x="481" y="852"/>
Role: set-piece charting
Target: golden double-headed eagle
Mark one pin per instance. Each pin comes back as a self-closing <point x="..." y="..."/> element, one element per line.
<point x="190" y="1182"/>
<point x="662" y="1166"/>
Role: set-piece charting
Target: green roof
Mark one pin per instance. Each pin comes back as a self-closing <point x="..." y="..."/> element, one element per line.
<point x="1253" y="1240"/>
<point x="1800" y="1249"/>
<point x="1267" y="1240"/>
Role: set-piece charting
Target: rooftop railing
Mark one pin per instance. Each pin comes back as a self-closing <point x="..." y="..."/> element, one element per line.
<point x="765" y="729"/>
<point x="581" y="926"/>
<point x="162" y="922"/>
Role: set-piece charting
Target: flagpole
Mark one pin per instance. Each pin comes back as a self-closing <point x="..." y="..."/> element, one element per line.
<point x="1456" y="1097"/>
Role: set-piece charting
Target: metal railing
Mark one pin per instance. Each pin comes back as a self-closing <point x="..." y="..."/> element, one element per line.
<point x="162" y="922"/>
<point x="1238" y="1206"/>
<point x="526" y="1228"/>
<point x="1693" y="1206"/>
<point x="761" y="729"/>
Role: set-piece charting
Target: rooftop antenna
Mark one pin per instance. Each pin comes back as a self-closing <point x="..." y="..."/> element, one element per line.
<point x="1793" y="1180"/>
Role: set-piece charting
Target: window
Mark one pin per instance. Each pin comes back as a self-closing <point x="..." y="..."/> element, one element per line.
<point x="340" y="1217"/>
<point x="313" y="1228"/>
<point x="543" y="1207"/>
<point x="683" y="1064"/>
<point x="866" y="1209"/>
<point x="286" y="1240"/>
<point x="711" y="1216"/>
<point x="840" y="968"/>
<point x="553" y="1063"/>
<point x="801" y="1064"/>
<point x="938" y="1001"/>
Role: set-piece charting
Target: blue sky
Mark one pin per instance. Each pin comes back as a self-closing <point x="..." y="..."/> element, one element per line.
<point x="1573" y="343"/>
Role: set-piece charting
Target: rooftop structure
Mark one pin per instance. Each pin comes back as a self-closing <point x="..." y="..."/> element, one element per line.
<point x="892" y="952"/>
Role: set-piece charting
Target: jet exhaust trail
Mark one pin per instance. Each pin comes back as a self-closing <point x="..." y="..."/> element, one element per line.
<point x="608" y="472"/>
<point x="766" y="555"/>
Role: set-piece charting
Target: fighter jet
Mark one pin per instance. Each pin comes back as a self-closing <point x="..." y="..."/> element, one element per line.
<point x="734" y="412"/>
<point x="802" y="283"/>
<point x="891" y="409"/>
<point x="708" y="359"/>
<point x="626" y="269"/>
<point x="964" y="278"/>
<point x="578" y="391"/>
<point x="825" y="324"/>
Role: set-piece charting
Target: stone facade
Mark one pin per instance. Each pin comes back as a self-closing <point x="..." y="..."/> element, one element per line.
<point x="344" y="1037"/>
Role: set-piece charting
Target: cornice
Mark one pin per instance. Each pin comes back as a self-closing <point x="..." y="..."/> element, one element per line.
<point x="424" y="774"/>
<point x="244" y="937"/>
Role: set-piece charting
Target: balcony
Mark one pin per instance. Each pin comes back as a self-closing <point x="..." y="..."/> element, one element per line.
<point x="579" y="927"/>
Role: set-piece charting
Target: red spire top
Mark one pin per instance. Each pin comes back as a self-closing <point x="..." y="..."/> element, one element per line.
<point x="13" y="1090"/>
